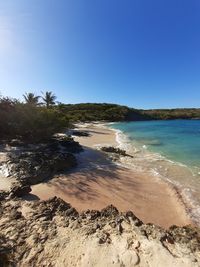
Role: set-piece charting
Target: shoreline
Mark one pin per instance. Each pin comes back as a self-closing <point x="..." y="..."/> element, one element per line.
<point x="174" y="190"/>
<point x="187" y="199"/>
<point x="98" y="181"/>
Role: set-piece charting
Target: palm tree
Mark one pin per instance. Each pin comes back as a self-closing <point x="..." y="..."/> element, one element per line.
<point x="31" y="99"/>
<point x="49" y="99"/>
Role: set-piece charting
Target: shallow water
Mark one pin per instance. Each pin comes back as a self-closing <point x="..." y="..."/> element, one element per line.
<point x="169" y="150"/>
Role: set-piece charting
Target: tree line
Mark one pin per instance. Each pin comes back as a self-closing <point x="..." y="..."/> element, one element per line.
<point x="30" y="121"/>
<point x="37" y="118"/>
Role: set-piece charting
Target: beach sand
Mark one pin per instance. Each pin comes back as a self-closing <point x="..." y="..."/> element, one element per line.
<point x="98" y="182"/>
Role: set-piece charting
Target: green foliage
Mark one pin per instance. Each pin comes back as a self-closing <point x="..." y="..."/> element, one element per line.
<point x="33" y="123"/>
<point x="172" y="114"/>
<point x="49" y="99"/>
<point x="98" y="112"/>
<point x="28" y="122"/>
<point x="31" y="99"/>
<point x="113" y="112"/>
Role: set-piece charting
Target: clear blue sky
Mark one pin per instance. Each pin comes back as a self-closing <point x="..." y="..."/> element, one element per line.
<point x="141" y="53"/>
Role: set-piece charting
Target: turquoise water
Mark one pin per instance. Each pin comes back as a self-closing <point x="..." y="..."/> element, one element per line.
<point x="178" y="140"/>
<point x="169" y="150"/>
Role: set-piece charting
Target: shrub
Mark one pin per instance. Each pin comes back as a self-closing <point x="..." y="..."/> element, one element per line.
<point x="29" y="123"/>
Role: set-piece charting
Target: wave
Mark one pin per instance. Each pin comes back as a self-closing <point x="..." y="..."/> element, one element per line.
<point x="178" y="175"/>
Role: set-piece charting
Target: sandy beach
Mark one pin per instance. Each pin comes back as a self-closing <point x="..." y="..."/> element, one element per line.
<point x="98" y="182"/>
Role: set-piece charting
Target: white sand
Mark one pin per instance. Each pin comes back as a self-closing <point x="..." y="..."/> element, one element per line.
<point x="98" y="182"/>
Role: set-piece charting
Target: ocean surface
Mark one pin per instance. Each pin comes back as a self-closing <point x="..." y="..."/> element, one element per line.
<point x="170" y="150"/>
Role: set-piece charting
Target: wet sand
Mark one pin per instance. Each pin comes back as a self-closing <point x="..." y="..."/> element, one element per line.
<point x="98" y="182"/>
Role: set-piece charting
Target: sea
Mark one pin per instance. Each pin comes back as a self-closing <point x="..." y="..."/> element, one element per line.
<point x="169" y="150"/>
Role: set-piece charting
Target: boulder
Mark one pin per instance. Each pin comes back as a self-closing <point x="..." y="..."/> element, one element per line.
<point x="115" y="150"/>
<point x="19" y="190"/>
<point x="80" y="133"/>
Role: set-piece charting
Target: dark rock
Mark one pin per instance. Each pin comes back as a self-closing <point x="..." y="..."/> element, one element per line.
<point x="64" y="161"/>
<point x="20" y="190"/>
<point x="109" y="211"/>
<point x="120" y="228"/>
<point x="187" y="235"/>
<point x="71" y="212"/>
<point x="16" y="143"/>
<point x="15" y="215"/>
<point x="80" y="133"/>
<point x="152" y="231"/>
<point x="118" y="151"/>
<point x="104" y="237"/>
<point x="113" y="224"/>
<point x="136" y="220"/>
<point x="34" y="167"/>
<point x="6" y="251"/>
<point x="57" y="205"/>
<point x="91" y="214"/>
<point x="67" y="143"/>
<point x="3" y="195"/>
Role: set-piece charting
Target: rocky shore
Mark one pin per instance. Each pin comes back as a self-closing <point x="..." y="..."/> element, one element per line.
<point x="28" y="164"/>
<point x="53" y="233"/>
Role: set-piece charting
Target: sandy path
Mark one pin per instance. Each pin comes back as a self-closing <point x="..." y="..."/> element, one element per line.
<point x="98" y="182"/>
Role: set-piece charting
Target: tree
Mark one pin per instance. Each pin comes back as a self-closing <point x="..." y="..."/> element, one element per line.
<point x="49" y="99"/>
<point x="31" y="99"/>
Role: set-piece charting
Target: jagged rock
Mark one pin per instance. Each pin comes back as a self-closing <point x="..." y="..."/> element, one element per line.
<point x="91" y="214"/>
<point x="67" y="143"/>
<point x="115" y="150"/>
<point x="42" y="232"/>
<point x="15" y="215"/>
<point x="109" y="211"/>
<point x="120" y="228"/>
<point x="187" y="235"/>
<point x="152" y="231"/>
<point x="57" y="205"/>
<point x="104" y="237"/>
<point x="136" y="221"/>
<point x="34" y="167"/>
<point x="80" y="133"/>
<point x="3" y="195"/>
<point x="6" y="249"/>
<point x="19" y="190"/>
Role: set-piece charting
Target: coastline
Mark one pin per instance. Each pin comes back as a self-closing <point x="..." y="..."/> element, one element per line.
<point x="98" y="181"/>
<point x="178" y="176"/>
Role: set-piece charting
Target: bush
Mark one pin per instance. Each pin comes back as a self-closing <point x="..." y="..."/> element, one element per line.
<point x="29" y="123"/>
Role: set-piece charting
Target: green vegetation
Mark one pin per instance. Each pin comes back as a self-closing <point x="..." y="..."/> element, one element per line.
<point x="172" y="114"/>
<point x="100" y="112"/>
<point x="28" y="122"/>
<point x="113" y="112"/>
<point x="31" y="99"/>
<point x="37" y="122"/>
<point x="49" y="99"/>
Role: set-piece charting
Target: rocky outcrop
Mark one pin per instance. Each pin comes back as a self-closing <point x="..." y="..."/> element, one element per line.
<point x="53" y="233"/>
<point x="34" y="167"/>
<point x="19" y="190"/>
<point x="115" y="150"/>
<point x="65" y="143"/>
<point x="31" y="164"/>
<point x="80" y="133"/>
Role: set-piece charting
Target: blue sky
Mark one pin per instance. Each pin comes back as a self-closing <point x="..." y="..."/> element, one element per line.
<point x="141" y="53"/>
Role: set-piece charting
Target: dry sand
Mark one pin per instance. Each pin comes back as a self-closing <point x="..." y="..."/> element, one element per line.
<point x="98" y="182"/>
